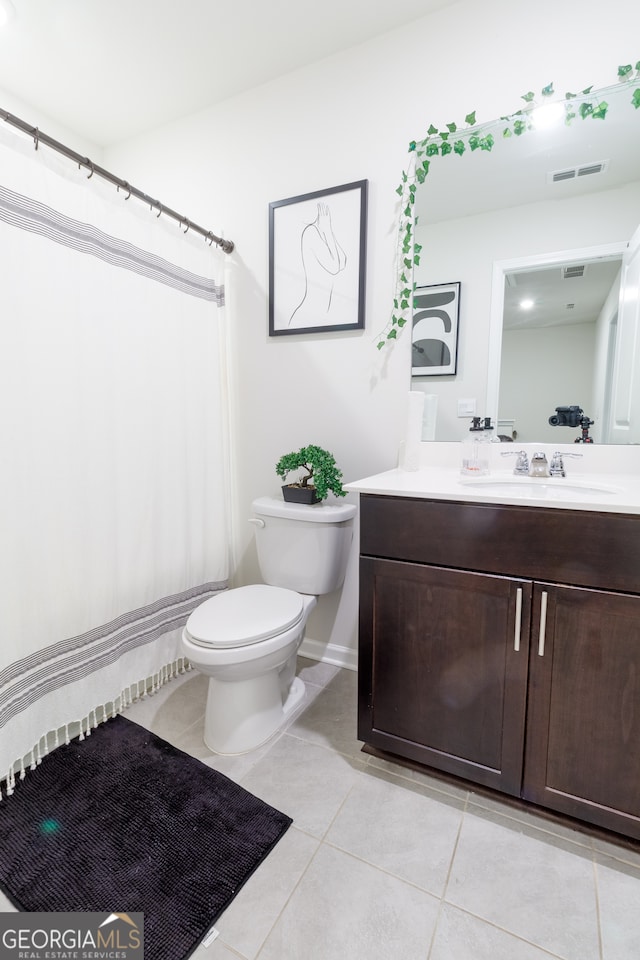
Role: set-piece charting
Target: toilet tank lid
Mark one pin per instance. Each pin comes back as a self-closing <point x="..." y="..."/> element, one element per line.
<point x="317" y="513"/>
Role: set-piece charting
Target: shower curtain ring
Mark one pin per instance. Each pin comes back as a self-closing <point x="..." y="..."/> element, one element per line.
<point x="125" y="184"/>
<point x="91" y="168"/>
<point x="36" y="139"/>
<point x="188" y="225"/>
<point x="160" y="208"/>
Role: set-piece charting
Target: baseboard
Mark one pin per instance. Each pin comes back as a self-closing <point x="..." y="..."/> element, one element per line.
<point x="329" y="653"/>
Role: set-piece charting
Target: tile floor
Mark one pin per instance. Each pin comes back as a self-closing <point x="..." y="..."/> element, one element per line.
<point x="383" y="863"/>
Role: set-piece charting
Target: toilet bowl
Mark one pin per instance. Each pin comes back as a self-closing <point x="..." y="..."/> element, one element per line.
<point x="246" y="639"/>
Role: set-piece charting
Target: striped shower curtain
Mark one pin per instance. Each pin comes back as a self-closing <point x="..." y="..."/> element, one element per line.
<point x="113" y="440"/>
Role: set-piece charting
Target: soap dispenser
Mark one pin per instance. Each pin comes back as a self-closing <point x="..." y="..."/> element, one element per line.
<point x="475" y="448"/>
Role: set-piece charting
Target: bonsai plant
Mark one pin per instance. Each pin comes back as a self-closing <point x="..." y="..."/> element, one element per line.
<point x="322" y="475"/>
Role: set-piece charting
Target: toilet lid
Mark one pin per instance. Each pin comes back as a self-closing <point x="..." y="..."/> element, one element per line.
<point x="244" y="615"/>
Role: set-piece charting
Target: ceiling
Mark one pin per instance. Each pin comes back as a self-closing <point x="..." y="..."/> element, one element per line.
<point x="111" y="69"/>
<point x="563" y="294"/>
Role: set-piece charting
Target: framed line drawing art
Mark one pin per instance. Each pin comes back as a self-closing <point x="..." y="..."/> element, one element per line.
<point x="434" y="330"/>
<point x="317" y="259"/>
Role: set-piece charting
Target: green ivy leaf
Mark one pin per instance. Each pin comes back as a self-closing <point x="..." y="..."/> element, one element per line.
<point x="399" y="190"/>
<point x="600" y="111"/>
<point x="433" y="150"/>
<point x="404" y="305"/>
<point x="570" y="96"/>
<point x="432" y="130"/>
<point x="403" y="278"/>
<point x="569" y="117"/>
<point x="548" y="90"/>
<point x="507" y="132"/>
<point x="474" y="142"/>
<point x="446" y="148"/>
<point x="486" y="143"/>
<point x="412" y="146"/>
<point x="407" y="211"/>
<point x="587" y="90"/>
<point x="528" y="97"/>
<point x="402" y="321"/>
<point x="585" y="110"/>
<point x="420" y="175"/>
<point x="452" y="127"/>
<point x="406" y="292"/>
<point x="380" y="345"/>
<point x="418" y="247"/>
<point x="407" y="263"/>
<point x="444" y="134"/>
<point x="625" y="70"/>
<point x="425" y="165"/>
<point x="416" y="261"/>
<point x="635" y="99"/>
<point x="459" y="147"/>
<point x="392" y="335"/>
<point x="470" y="119"/>
<point x="519" y="127"/>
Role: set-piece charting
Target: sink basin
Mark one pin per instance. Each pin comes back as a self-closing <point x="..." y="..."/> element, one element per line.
<point x="540" y="488"/>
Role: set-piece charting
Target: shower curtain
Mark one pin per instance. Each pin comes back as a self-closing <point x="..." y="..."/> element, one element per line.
<point x="113" y="430"/>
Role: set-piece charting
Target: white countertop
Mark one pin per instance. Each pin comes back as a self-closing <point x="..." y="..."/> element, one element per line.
<point x="584" y="488"/>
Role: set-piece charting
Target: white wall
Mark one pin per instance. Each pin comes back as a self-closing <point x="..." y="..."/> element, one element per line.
<point x="351" y="117"/>
<point x="544" y="368"/>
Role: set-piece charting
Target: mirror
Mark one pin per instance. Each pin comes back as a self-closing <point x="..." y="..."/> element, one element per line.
<point x="547" y="215"/>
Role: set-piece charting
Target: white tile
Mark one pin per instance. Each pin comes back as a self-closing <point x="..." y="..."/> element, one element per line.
<point x="265" y="893"/>
<point x="530" y="883"/>
<point x="344" y="909"/>
<point x="305" y="781"/>
<point x="619" y="900"/>
<point x="400" y="827"/>
<point x="462" y="937"/>
<point x="331" y="718"/>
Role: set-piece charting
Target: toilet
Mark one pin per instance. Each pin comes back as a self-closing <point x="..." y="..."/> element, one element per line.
<point x="246" y="639"/>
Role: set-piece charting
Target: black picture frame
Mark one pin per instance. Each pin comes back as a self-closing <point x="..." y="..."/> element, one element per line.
<point x="434" y="330"/>
<point x="317" y="261"/>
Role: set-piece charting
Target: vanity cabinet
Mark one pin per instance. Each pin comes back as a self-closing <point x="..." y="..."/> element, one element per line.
<point x="501" y="644"/>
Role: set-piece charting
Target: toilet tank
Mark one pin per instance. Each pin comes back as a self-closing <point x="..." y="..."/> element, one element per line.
<point x="300" y="547"/>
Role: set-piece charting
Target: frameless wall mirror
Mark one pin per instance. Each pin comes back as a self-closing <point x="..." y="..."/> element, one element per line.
<point x="537" y="231"/>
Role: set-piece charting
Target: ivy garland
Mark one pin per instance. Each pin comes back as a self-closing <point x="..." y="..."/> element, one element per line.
<point x="453" y="140"/>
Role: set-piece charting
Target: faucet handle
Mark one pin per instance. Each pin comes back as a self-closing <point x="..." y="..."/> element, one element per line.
<point x="557" y="463"/>
<point x="522" y="463"/>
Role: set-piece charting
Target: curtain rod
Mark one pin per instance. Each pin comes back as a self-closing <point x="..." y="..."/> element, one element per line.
<point x="39" y="137"/>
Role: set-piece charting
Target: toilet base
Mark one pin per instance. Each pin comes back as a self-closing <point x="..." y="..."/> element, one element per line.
<point x="243" y="715"/>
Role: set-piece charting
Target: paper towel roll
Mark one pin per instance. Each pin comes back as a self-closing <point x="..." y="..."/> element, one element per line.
<point x="413" y="434"/>
<point x="429" y="416"/>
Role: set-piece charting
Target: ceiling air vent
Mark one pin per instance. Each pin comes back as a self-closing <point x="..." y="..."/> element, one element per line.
<point x="572" y="173"/>
<point x="575" y="271"/>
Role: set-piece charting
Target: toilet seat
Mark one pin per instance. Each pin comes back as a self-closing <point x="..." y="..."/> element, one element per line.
<point x="245" y="615"/>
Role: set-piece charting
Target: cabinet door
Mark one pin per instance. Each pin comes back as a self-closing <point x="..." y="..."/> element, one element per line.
<point x="583" y="720"/>
<point x="443" y="668"/>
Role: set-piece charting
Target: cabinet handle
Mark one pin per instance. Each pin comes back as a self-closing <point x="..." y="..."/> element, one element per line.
<point x="543" y="623"/>
<point x="516" y="638"/>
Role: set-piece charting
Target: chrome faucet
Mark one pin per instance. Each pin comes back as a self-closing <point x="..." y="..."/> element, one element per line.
<point x="557" y="463"/>
<point x="539" y="466"/>
<point x="522" y="463"/>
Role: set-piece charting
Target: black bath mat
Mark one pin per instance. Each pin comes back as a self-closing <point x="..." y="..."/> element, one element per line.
<point x="123" y="821"/>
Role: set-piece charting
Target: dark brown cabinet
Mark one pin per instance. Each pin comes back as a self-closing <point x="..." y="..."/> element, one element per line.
<point x="502" y="644"/>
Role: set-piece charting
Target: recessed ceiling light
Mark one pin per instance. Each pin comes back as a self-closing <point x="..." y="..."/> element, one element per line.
<point x="7" y="12"/>
<point x="548" y="116"/>
<point x="527" y="303"/>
